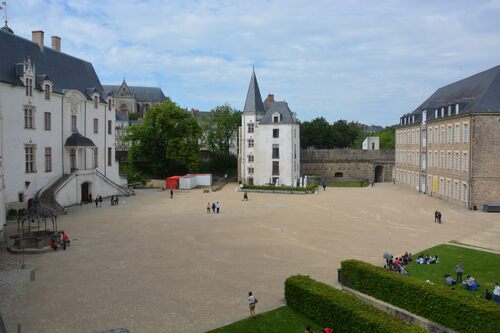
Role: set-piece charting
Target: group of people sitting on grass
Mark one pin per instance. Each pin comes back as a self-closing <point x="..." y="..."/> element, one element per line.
<point x="428" y="259"/>
<point x="398" y="264"/>
<point x="324" y="330"/>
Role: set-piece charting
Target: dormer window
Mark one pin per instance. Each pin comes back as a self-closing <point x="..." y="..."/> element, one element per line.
<point x="436" y="113"/>
<point x="276" y="119"/>
<point x="29" y="87"/>
<point x="457" y="108"/>
<point x="96" y="102"/>
<point x="47" y="91"/>
<point x="449" y="110"/>
<point x="442" y="112"/>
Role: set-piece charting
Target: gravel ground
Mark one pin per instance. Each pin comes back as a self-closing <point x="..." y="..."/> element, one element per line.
<point x="154" y="264"/>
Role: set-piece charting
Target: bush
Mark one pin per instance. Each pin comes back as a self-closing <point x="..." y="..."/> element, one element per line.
<point x="342" y="311"/>
<point x="12" y="212"/>
<point x="309" y="188"/>
<point x="436" y="303"/>
<point x="21" y="212"/>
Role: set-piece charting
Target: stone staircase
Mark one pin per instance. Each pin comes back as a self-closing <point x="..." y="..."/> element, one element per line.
<point x="48" y="199"/>
<point x="123" y="190"/>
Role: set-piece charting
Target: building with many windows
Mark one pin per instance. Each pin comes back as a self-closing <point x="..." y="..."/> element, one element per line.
<point x="448" y="147"/>
<point x="57" y="128"/>
<point x="269" y="141"/>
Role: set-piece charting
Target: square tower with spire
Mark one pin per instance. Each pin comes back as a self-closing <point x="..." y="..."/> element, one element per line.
<point x="270" y="141"/>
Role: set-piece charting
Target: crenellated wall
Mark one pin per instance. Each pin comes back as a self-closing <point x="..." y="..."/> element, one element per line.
<point x="374" y="165"/>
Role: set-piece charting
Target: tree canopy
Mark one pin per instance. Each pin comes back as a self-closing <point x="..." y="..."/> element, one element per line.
<point x="320" y="134"/>
<point x="166" y="143"/>
<point x="219" y="128"/>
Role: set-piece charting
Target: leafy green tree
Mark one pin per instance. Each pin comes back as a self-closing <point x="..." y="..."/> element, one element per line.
<point x="166" y="143"/>
<point x="316" y="133"/>
<point x="345" y="133"/>
<point x="387" y="138"/>
<point x="219" y="128"/>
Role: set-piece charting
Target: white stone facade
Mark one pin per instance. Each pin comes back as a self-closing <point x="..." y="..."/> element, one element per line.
<point x="270" y="141"/>
<point x="371" y="143"/>
<point x="38" y="117"/>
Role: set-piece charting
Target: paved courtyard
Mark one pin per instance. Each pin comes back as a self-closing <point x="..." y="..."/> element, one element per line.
<point x="153" y="264"/>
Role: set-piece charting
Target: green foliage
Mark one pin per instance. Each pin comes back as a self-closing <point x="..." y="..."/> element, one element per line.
<point x="12" y="212"/>
<point x="21" y="212"/>
<point x="166" y="143"/>
<point x="434" y="302"/>
<point x="308" y="188"/>
<point x="220" y="165"/>
<point x="387" y="138"/>
<point x="342" y="311"/>
<point x="133" y="116"/>
<point x="484" y="266"/>
<point x="219" y="128"/>
<point x="349" y="183"/>
<point x="318" y="133"/>
<point x="280" y="320"/>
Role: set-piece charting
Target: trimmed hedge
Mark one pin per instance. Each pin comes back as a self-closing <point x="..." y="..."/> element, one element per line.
<point x="436" y="303"/>
<point x="342" y="311"/>
<point x="309" y="188"/>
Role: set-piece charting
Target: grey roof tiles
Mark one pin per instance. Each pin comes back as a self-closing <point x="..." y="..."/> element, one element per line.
<point x="253" y="103"/>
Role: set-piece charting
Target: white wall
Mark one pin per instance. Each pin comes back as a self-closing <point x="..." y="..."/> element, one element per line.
<point x="371" y="141"/>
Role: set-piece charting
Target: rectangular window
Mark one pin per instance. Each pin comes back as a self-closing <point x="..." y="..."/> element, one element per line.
<point x="48" y="159"/>
<point x="29" y="87"/>
<point x="73" y="123"/>
<point x="276" y="151"/>
<point x="295" y="150"/>
<point x="250" y="127"/>
<point x="96" y="102"/>
<point x="457" y="133"/>
<point x="443" y="137"/>
<point x="47" y="91"/>
<point x="29" y="152"/>
<point x="250" y="158"/>
<point x="430" y="135"/>
<point x="276" y="168"/>
<point x="109" y="104"/>
<point x="457" y="162"/>
<point x="96" y="157"/>
<point x="47" y="121"/>
<point x="436" y="134"/>
<point x="276" y="133"/>
<point x="29" y="118"/>
<point x="96" y="125"/>
<point x="450" y="161"/>
<point x="72" y="159"/>
<point x="250" y="170"/>
<point x="450" y="134"/>
<point x="466" y="162"/>
<point x="276" y="119"/>
<point x="456" y="194"/>
<point x="110" y="125"/>
<point x="250" y="143"/>
<point x="466" y="133"/>
<point x="110" y="155"/>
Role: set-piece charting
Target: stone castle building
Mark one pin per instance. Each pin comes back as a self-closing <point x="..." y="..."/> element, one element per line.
<point x="448" y="147"/>
<point x="269" y="141"/>
<point x="57" y="127"/>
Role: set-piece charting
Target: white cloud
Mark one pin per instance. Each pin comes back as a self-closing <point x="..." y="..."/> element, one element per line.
<point x="356" y="60"/>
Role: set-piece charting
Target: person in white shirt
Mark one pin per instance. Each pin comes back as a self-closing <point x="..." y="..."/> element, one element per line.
<point x="252" y="300"/>
<point x="496" y="293"/>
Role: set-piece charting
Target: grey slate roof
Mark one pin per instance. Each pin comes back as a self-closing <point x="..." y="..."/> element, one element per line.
<point x="146" y="94"/>
<point x="77" y="140"/>
<point x="122" y="116"/>
<point x="65" y="71"/>
<point x="253" y="103"/>
<point x="478" y="93"/>
<point x="286" y="116"/>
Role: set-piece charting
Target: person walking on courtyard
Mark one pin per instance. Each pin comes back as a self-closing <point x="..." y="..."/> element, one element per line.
<point x="171" y="194"/>
<point x="217" y="205"/>
<point x="252" y="300"/>
<point x="208" y="208"/>
<point x="245" y="196"/>
<point x="459" y="269"/>
<point x="436" y="214"/>
<point x="439" y="218"/>
<point x="96" y="202"/>
<point x="213" y="207"/>
<point x="100" y="201"/>
<point x="323" y="183"/>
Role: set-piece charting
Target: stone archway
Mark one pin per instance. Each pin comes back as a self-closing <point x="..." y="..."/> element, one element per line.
<point x="379" y="174"/>
<point x="339" y="174"/>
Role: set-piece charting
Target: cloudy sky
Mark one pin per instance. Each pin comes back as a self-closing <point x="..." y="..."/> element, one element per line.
<point x="369" y="61"/>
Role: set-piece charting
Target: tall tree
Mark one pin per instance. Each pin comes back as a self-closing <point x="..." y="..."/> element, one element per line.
<point x="316" y="133"/>
<point x="166" y="143"/>
<point x="219" y="128"/>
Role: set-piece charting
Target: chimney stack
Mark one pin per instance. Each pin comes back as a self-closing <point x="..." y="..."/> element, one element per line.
<point x="269" y="100"/>
<point x="37" y="37"/>
<point x="56" y="43"/>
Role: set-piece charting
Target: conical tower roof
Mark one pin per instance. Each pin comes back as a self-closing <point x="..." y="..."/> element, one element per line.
<point x="253" y="103"/>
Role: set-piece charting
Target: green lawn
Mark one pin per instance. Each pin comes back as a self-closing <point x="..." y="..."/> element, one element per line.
<point x="483" y="266"/>
<point x="348" y="183"/>
<point x="280" y="320"/>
